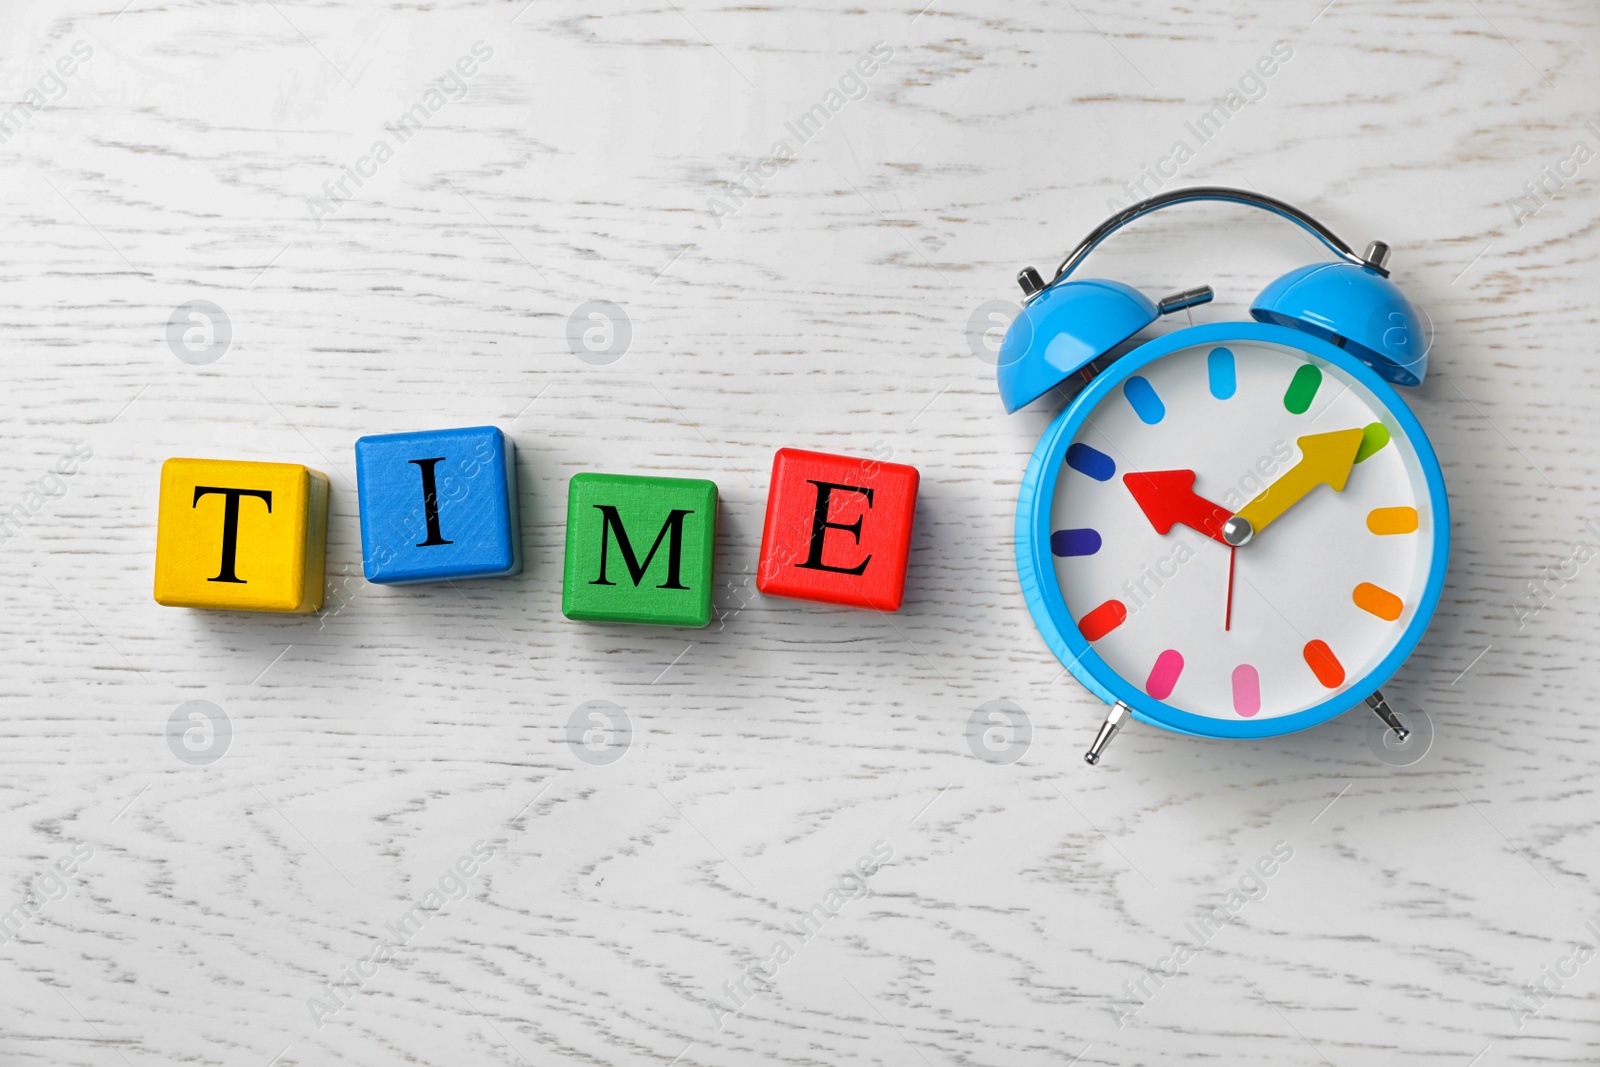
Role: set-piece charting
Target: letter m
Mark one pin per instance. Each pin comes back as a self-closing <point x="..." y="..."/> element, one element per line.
<point x="611" y="524"/>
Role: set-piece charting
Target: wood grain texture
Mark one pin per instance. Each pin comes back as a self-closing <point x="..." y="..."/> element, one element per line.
<point x="373" y="744"/>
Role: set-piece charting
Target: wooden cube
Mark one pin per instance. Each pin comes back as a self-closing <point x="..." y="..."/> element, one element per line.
<point x="241" y="536"/>
<point x="438" y="505"/>
<point x="838" y="530"/>
<point x="639" y="549"/>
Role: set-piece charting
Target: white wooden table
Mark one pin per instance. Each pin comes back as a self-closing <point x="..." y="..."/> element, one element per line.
<point x="194" y="153"/>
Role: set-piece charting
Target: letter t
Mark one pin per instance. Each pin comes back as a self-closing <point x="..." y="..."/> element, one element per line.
<point x="230" y="524"/>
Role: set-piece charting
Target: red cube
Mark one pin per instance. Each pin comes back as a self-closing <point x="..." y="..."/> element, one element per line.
<point x="838" y="530"/>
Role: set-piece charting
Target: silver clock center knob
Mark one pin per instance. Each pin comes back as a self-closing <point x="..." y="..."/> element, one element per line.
<point x="1237" y="531"/>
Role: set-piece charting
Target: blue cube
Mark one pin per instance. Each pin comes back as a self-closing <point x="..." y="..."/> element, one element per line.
<point x="438" y="505"/>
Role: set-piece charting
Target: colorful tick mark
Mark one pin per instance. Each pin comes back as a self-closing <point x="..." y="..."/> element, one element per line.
<point x="1102" y="620"/>
<point x="1075" y="542"/>
<point x="1376" y="600"/>
<point x="1164" y="675"/>
<point x="1146" y="404"/>
<point x="1091" y="461"/>
<point x="1302" y="388"/>
<point x="1387" y="521"/>
<point x="1246" y="690"/>
<point x="1324" y="664"/>
<point x="1220" y="373"/>
<point x="1374" y="435"/>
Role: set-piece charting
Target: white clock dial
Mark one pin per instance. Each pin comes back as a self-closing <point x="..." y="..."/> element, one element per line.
<point x="1320" y="594"/>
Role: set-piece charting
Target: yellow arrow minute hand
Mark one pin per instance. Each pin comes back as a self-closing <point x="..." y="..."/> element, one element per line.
<point x="1325" y="459"/>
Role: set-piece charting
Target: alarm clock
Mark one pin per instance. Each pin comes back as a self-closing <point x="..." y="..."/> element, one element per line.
<point x="1233" y="529"/>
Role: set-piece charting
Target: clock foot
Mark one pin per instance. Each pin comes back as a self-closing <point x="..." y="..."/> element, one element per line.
<point x="1378" y="704"/>
<point x="1108" y="729"/>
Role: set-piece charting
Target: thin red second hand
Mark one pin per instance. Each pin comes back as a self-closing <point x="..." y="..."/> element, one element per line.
<point x="1227" y="622"/>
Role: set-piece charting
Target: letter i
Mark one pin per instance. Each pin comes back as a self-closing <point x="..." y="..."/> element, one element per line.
<point x="430" y="502"/>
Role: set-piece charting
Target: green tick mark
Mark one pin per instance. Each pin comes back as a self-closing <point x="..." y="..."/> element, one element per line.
<point x="1302" y="388"/>
<point x="1374" y="436"/>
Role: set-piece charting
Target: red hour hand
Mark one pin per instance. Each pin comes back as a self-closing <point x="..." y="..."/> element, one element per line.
<point x="1167" y="498"/>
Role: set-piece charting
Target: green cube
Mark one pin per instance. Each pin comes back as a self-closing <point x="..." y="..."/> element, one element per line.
<point x="639" y="549"/>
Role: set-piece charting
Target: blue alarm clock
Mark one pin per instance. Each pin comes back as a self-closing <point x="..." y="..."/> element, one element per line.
<point x="1235" y="529"/>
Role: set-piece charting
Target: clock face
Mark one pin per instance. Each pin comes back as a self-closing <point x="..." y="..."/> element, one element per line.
<point x="1341" y="538"/>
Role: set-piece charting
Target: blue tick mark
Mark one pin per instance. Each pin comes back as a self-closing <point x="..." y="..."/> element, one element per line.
<point x="1146" y="404"/>
<point x="1219" y="368"/>
<point x="1075" y="542"/>
<point x="1091" y="461"/>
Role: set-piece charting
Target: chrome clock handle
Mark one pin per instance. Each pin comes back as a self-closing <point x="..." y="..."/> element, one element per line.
<point x="1376" y="257"/>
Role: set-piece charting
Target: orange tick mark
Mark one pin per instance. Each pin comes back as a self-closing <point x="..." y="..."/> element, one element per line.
<point x="1375" y="600"/>
<point x="1384" y="521"/>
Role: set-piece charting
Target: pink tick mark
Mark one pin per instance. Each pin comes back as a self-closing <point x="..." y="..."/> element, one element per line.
<point x="1246" y="690"/>
<point x="1164" y="675"/>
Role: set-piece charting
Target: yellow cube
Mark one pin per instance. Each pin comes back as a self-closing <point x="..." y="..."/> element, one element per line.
<point x="241" y="536"/>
